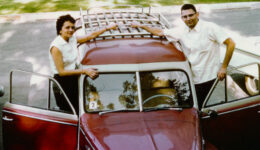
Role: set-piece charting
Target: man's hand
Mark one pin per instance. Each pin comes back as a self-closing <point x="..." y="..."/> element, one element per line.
<point x="135" y="24"/>
<point x="153" y="30"/>
<point x="222" y="73"/>
<point x="111" y="26"/>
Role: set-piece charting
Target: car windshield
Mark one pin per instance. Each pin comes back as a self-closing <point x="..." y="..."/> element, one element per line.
<point x="165" y="89"/>
<point x="119" y="91"/>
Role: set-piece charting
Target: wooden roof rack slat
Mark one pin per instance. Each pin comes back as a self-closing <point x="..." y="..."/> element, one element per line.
<point x="123" y="18"/>
<point x="107" y="22"/>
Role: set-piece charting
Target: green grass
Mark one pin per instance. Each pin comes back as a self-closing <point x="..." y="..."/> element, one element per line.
<point x="33" y="6"/>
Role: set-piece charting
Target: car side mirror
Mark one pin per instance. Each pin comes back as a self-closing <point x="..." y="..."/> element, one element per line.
<point x="213" y="114"/>
<point x="2" y="91"/>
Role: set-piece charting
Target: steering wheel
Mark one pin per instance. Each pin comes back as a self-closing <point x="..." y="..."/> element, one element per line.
<point x="155" y="96"/>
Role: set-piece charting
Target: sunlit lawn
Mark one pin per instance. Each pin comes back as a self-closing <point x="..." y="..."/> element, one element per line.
<point x="32" y="6"/>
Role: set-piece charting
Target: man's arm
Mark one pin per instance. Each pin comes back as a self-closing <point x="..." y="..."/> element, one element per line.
<point x="229" y="52"/>
<point x="154" y="31"/>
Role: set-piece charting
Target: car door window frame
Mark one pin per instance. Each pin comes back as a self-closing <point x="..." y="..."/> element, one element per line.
<point x="51" y="79"/>
<point x="225" y="86"/>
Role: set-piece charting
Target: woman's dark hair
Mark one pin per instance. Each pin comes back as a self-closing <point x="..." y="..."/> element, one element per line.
<point x="60" y="21"/>
<point x="188" y="6"/>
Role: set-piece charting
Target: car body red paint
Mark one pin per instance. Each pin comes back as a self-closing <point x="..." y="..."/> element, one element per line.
<point x="147" y="130"/>
<point x="143" y="99"/>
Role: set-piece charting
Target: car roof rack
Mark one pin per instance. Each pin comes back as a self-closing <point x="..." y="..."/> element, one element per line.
<point x="123" y="17"/>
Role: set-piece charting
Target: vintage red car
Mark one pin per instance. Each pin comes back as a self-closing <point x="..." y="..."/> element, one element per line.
<point x="143" y="99"/>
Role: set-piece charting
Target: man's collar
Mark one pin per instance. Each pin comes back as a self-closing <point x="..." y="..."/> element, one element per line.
<point x="196" y="28"/>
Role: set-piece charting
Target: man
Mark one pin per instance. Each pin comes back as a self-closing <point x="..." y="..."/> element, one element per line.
<point x="201" y="42"/>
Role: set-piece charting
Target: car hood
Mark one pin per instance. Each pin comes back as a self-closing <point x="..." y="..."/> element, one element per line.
<point x="164" y="129"/>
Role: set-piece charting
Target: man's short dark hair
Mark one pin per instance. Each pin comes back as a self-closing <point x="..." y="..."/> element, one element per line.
<point x="188" y="6"/>
<point x="60" y="21"/>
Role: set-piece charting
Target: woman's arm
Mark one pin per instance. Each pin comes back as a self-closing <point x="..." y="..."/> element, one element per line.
<point x="58" y="60"/>
<point x="95" y="34"/>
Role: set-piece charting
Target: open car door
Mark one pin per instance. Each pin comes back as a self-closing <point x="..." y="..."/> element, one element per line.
<point x="231" y="112"/>
<point x="31" y="119"/>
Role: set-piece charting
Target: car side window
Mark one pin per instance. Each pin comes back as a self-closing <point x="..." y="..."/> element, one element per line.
<point x="240" y="83"/>
<point x="218" y="94"/>
<point x="33" y="90"/>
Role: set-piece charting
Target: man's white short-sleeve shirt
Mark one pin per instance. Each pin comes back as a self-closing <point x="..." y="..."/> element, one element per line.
<point x="201" y="45"/>
<point x="68" y="51"/>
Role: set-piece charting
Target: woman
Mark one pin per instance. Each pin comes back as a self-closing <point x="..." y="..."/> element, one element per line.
<point x="63" y="60"/>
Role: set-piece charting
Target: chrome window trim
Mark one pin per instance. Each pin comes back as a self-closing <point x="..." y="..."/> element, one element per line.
<point x="87" y="139"/>
<point x="40" y="111"/>
<point x="182" y="65"/>
<point x="233" y="104"/>
<point x="49" y="120"/>
<point x="223" y="113"/>
<point x="138" y="82"/>
<point x="81" y="95"/>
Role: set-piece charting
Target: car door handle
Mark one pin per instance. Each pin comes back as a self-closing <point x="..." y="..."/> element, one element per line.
<point x="7" y="119"/>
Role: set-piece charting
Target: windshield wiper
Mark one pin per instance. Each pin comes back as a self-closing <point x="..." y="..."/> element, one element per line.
<point x="110" y="111"/>
<point x="162" y="108"/>
<point x="145" y="110"/>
